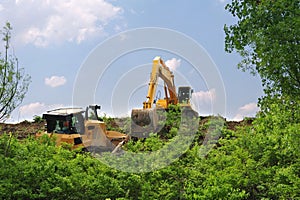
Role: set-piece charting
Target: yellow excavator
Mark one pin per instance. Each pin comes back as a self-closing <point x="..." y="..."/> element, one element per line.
<point x="146" y="120"/>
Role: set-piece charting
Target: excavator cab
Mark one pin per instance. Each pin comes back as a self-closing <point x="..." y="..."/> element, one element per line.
<point x="185" y="94"/>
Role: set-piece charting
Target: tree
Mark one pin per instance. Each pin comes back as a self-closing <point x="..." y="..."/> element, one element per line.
<point x="265" y="156"/>
<point x="13" y="82"/>
<point x="267" y="36"/>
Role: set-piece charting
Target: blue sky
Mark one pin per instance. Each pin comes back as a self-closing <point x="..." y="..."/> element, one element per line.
<point x="53" y="38"/>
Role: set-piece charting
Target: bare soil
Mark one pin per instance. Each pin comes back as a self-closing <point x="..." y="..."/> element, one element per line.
<point x="22" y="129"/>
<point x="26" y="128"/>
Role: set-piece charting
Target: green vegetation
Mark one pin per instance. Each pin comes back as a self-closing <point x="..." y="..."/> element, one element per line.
<point x="39" y="170"/>
<point x="13" y="82"/>
<point x="261" y="161"/>
<point x="267" y="36"/>
<point x="254" y="161"/>
<point x="37" y="119"/>
<point x="123" y="125"/>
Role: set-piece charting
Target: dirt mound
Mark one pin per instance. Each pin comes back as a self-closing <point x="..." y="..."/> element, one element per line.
<point x="22" y="129"/>
<point x="26" y="128"/>
<point x="232" y="125"/>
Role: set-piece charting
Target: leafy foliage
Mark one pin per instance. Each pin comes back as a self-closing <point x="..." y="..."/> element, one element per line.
<point x="261" y="161"/>
<point x="121" y="125"/>
<point x="37" y="119"/>
<point x="254" y="162"/>
<point x="39" y="170"/>
<point x="257" y="162"/>
<point x="267" y="36"/>
<point x="13" y="82"/>
<point x="172" y="122"/>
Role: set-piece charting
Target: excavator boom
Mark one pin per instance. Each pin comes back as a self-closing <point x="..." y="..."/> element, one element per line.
<point x="146" y="120"/>
<point x="160" y="70"/>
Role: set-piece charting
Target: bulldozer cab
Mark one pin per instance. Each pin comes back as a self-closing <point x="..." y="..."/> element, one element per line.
<point x="65" y="121"/>
<point x="91" y="112"/>
<point x="81" y="128"/>
<point x="184" y="94"/>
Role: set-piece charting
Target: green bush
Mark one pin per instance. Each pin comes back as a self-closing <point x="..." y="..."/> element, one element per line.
<point x="37" y="119"/>
<point x="259" y="161"/>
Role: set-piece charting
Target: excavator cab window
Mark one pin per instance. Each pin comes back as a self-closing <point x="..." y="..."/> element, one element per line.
<point x="184" y="94"/>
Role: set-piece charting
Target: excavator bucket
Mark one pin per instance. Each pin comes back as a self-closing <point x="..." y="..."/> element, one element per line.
<point x="146" y="121"/>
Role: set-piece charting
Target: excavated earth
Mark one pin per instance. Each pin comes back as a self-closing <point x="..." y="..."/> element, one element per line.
<point x="24" y="129"/>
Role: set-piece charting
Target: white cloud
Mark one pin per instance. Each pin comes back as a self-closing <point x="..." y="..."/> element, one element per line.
<point x="28" y="111"/>
<point x="55" y="81"/>
<point x="223" y="1"/>
<point x="32" y="109"/>
<point x="248" y="110"/>
<point x="173" y="64"/>
<point x="250" y="107"/>
<point x="205" y="97"/>
<point x="56" y="21"/>
<point x="203" y="101"/>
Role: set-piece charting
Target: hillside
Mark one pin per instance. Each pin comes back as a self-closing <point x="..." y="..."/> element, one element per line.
<point x="250" y="162"/>
<point x="23" y="129"/>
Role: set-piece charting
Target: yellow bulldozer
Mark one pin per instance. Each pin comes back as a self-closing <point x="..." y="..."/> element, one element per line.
<point x="147" y="119"/>
<point x="82" y="128"/>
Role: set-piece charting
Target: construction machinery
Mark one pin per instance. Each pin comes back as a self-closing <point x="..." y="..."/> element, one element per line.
<point x="81" y="128"/>
<point x="147" y="120"/>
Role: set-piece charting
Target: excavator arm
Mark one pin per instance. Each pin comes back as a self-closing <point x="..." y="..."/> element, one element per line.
<point x="146" y="119"/>
<point x="160" y="70"/>
<point x="152" y="84"/>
